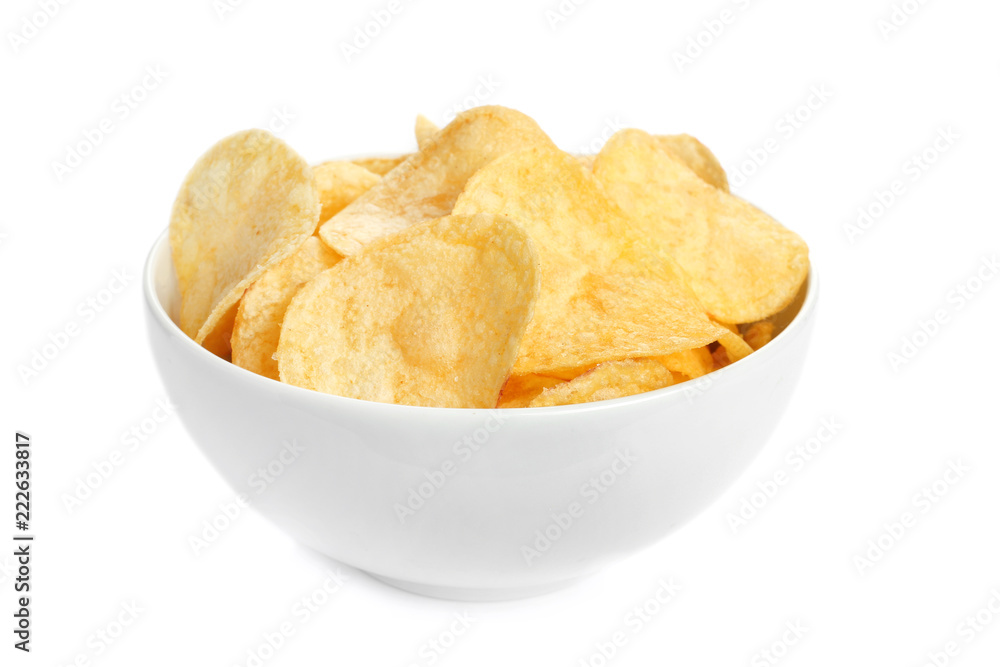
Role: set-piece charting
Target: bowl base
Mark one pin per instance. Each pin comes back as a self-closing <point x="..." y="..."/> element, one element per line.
<point x="475" y="594"/>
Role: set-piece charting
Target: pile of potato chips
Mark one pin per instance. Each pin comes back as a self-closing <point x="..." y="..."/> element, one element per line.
<point x="487" y="269"/>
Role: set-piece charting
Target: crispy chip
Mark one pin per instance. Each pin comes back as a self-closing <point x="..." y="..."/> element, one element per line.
<point x="339" y="183"/>
<point x="758" y="334"/>
<point x="612" y="379"/>
<point x="605" y="296"/>
<point x="381" y="165"/>
<point x="742" y="264"/>
<point x="520" y="390"/>
<point x="426" y="186"/>
<point x="719" y="358"/>
<point x="247" y="203"/>
<point x="691" y="363"/>
<point x="696" y="156"/>
<point x="262" y="308"/>
<point x="432" y="316"/>
<point x="425" y="129"/>
<point x="691" y="152"/>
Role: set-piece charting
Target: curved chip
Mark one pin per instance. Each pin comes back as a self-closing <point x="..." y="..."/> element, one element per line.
<point x="742" y="264"/>
<point x="381" y="165"/>
<point x="424" y="130"/>
<point x="339" y="183"/>
<point x="605" y="294"/>
<point x="691" y="363"/>
<point x="426" y="185"/>
<point x="759" y="334"/>
<point x="696" y="156"/>
<point x="433" y="316"/>
<point x="612" y="379"/>
<point x="247" y="203"/>
<point x="262" y="308"/>
<point x="520" y="390"/>
<point x="692" y="152"/>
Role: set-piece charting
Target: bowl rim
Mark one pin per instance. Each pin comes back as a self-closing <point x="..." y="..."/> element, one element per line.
<point x="747" y="364"/>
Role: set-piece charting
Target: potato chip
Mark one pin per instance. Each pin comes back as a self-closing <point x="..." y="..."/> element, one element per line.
<point x="691" y="363"/>
<point x="758" y="334"/>
<point x="742" y="264"/>
<point x="696" y="156"/>
<point x="247" y="203"/>
<point x="262" y="308"/>
<point x="605" y="296"/>
<point x="612" y="379"/>
<point x="426" y="186"/>
<point x="520" y="390"/>
<point x="720" y="359"/>
<point x="432" y="316"/>
<point x="381" y="165"/>
<point x="425" y="129"/>
<point x="339" y="183"/>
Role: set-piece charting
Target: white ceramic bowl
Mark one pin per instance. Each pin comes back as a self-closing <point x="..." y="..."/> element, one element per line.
<point x="474" y="504"/>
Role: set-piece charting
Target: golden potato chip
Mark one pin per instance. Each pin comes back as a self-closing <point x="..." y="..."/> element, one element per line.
<point x="426" y="186"/>
<point x="381" y="165"/>
<point x="696" y="156"/>
<point x="720" y="359"/>
<point x="691" y="152"/>
<point x="262" y="308"/>
<point x="520" y="390"/>
<point x="247" y="203"/>
<point x="605" y="296"/>
<point x="758" y="334"/>
<point x="432" y="316"/>
<point x="612" y="379"/>
<point x="691" y="363"/>
<point x="742" y="264"/>
<point x="339" y="183"/>
<point x="425" y="129"/>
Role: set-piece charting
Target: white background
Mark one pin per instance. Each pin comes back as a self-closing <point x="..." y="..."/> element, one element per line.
<point x="608" y="63"/>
